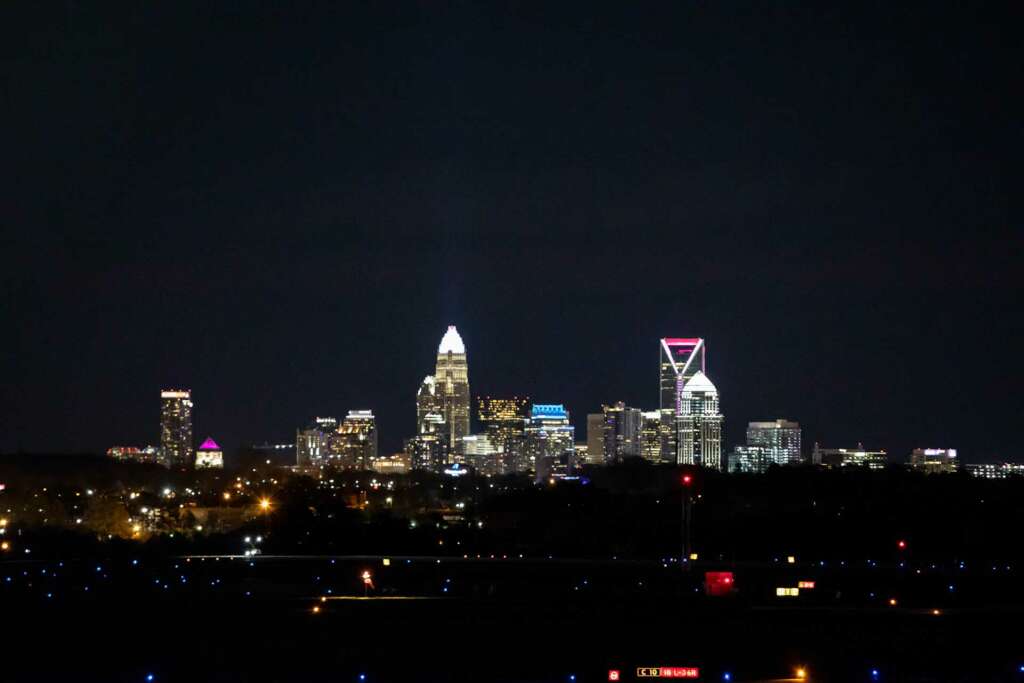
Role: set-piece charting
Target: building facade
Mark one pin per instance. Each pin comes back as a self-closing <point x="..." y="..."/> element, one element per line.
<point x="680" y="358"/>
<point x="650" y="436"/>
<point x="768" y="443"/>
<point x="452" y="380"/>
<point x="504" y="422"/>
<point x="176" y="428"/>
<point x="551" y="442"/>
<point x="621" y="432"/>
<point x="994" y="470"/>
<point x="837" y="458"/>
<point x="209" y="455"/>
<point x="312" y="443"/>
<point x="595" y="439"/>
<point x="934" y="460"/>
<point x="700" y="424"/>
<point x="354" y="445"/>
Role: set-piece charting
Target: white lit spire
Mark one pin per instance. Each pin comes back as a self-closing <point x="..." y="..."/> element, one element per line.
<point x="451" y="341"/>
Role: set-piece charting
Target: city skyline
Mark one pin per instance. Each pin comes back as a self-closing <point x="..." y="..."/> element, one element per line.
<point x="819" y="236"/>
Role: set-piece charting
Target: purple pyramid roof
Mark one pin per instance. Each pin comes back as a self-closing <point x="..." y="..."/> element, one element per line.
<point x="209" y="445"/>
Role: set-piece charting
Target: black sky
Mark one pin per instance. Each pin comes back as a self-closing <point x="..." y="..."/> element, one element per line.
<point x="282" y="205"/>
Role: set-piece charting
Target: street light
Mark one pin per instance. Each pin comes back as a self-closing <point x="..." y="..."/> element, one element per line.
<point x="264" y="504"/>
<point x="801" y="673"/>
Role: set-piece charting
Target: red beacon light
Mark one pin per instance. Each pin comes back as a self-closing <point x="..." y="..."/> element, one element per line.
<point x="687" y="480"/>
<point x="901" y="544"/>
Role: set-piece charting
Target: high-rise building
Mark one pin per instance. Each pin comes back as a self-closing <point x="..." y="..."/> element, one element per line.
<point x="621" y="432"/>
<point x="934" y="460"/>
<point x="209" y="455"/>
<point x="356" y="441"/>
<point x="595" y="439"/>
<point x="452" y="379"/>
<point x="429" y="407"/>
<point x="551" y="442"/>
<point x="768" y="443"/>
<point x="312" y="444"/>
<point x="838" y="458"/>
<point x="700" y="424"/>
<point x="650" y="436"/>
<point x="504" y="422"/>
<point x="680" y="358"/>
<point x="176" y="428"/>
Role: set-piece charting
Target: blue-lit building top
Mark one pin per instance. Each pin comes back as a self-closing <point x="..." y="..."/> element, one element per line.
<point x="553" y="411"/>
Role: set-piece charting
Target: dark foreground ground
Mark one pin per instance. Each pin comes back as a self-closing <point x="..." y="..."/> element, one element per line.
<point x="196" y="619"/>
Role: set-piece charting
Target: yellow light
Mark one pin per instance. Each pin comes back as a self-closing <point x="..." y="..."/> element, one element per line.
<point x="227" y="496"/>
<point x="386" y="561"/>
<point x="316" y="609"/>
<point x="323" y="598"/>
<point x="693" y="556"/>
<point x="264" y="503"/>
<point x="801" y="674"/>
<point x="3" y="522"/>
<point x="892" y="601"/>
<point x="936" y="612"/>
<point x="366" y="576"/>
<point x="790" y="559"/>
<point x="5" y="546"/>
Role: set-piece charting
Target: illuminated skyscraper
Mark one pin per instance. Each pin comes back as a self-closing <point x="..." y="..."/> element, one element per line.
<point x="700" y="424"/>
<point x="595" y="439"/>
<point x="176" y="428"/>
<point x="452" y="387"/>
<point x="621" y="432"/>
<point x="680" y="359"/>
<point x="429" y="407"/>
<point x="311" y="444"/>
<point x="551" y="442"/>
<point x="354" y="445"/>
<point x="504" y="421"/>
<point x="650" y="436"/>
<point x="768" y="443"/>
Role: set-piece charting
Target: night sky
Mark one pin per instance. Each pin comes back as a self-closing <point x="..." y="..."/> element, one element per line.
<point x="282" y="208"/>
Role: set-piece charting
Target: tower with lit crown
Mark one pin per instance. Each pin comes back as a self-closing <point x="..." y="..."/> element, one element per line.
<point x="452" y="387"/>
<point x="700" y="424"/>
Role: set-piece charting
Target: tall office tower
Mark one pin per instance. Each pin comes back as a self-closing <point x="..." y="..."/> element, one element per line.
<point x="621" y="432"/>
<point x="934" y="460"/>
<point x="650" y="435"/>
<point x="680" y="359"/>
<point x="312" y="444"/>
<point x="429" y="406"/>
<point x="356" y="441"/>
<point x="452" y="378"/>
<point x="503" y="421"/>
<point x="700" y="424"/>
<point x="768" y="443"/>
<point x="176" y="428"/>
<point x="551" y="442"/>
<point x="595" y="439"/>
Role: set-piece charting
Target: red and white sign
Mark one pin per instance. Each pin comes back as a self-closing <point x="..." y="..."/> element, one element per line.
<point x="667" y="672"/>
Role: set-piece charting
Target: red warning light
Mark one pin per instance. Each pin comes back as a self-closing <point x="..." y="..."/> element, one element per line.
<point x="613" y="674"/>
<point x="902" y="544"/>
<point x="687" y="479"/>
